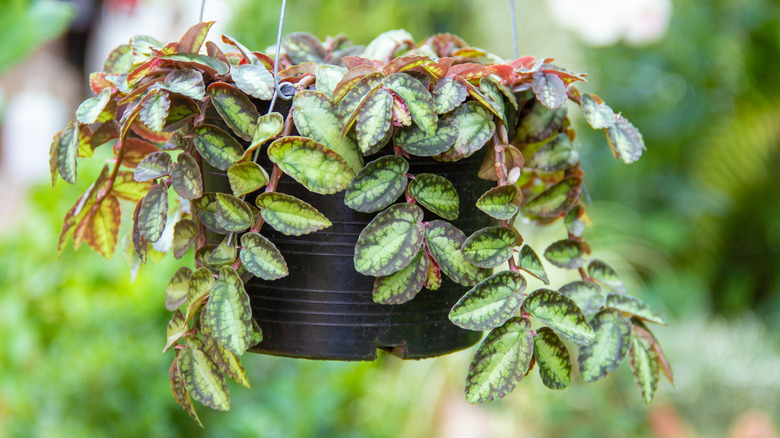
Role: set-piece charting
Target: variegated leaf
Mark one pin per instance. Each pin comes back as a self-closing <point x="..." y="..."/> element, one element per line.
<point x="205" y="211"/>
<point x="417" y="98"/>
<point x="448" y="94"/>
<point x="586" y="294"/>
<point x="390" y="241"/>
<point x="613" y="340"/>
<point x="444" y="242"/>
<point x="625" y="140"/>
<point x="186" y="82"/>
<point x="549" y="89"/>
<point x="557" y="154"/>
<point x="268" y="127"/>
<point x="315" y="117"/>
<point x="203" y="379"/>
<point x="634" y="306"/>
<point x="177" y="290"/>
<point x="539" y="123"/>
<point x="567" y="253"/>
<point x="645" y="367"/>
<point x="64" y="150"/>
<point x="561" y="314"/>
<point x="290" y="215"/>
<point x="475" y="127"/>
<point x="228" y="314"/>
<point x="501" y="361"/>
<point x="556" y="200"/>
<point x="89" y="110"/>
<point x="238" y="112"/>
<point x="103" y="227"/>
<point x="436" y="193"/>
<point x="606" y="275"/>
<point x="377" y="185"/>
<point x="217" y="256"/>
<point x="414" y="140"/>
<point x="530" y="262"/>
<point x="153" y="166"/>
<point x="319" y="169"/>
<point x="497" y="202"/>
<point x="328" y="76"/>
<point x="233" y="214"/>
<point x="185" y="177"/>
<point x="185" y="232"/>
<point x="154" y="110"/>
<point x="246" y="177"/>
<point x="254" y="80"/>
<point x="373" y="121"/>
<point x="403" y="285"/>
<point x="490" y="247"/>
<point x="598" y="114"/>
<point x="216" y="146"/>
<point x="553" y="359"/>
<point x="224" y="359"/>
<point x="261" y="257"/>
<point x="200" y="284"/>
<point x="490" y="303"/>
<point x="153" y="213"/>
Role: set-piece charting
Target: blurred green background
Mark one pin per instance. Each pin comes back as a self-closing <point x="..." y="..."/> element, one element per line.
<point x="693" y="227"/>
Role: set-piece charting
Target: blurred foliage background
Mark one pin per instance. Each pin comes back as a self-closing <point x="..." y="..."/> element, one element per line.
<point x="692" y="227"/>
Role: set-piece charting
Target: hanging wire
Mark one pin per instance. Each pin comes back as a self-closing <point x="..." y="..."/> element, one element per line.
<point x="514" y="27"/>
<point x="277" y="91"/>
<point x="202" y="8"/>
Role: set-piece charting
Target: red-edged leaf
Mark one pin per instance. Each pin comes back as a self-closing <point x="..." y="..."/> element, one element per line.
<point x="101" y="234"/>
<point x="193" y="39"/>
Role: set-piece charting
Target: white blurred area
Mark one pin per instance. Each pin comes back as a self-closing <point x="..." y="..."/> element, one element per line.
<point x="606" y="22"/>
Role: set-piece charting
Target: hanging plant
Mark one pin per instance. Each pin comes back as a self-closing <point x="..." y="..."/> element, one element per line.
<point x="361" y="119"/>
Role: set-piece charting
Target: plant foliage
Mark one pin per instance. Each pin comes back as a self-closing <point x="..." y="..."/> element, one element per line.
<point x="171" y="110"/>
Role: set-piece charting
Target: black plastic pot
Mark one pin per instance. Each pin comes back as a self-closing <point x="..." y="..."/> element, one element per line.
<point x="324" y="308"/>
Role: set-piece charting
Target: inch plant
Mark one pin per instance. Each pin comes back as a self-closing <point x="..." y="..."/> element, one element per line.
<point x="168" y="110"/>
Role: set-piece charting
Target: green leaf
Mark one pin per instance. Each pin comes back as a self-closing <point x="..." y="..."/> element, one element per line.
<point x="228" y="314"/>
<point x="226" y="360"/>
<point x="261" y="257"/>
<point x="377" y="185"/>
<point x="290" y="215"/>
<point x="153" y="213"/>
<point x="177" y="289"/>
<point x="390" y="241"/>
<point x="120" y="60"/>
<point x="238" y="112"/>
<point x="205" y="209"/>
<point x="497" y="202"/>
<point x="491" y="96"/>
<point x="561" y="314"/>
<point x="475" y="127"/>
<point x="89" y="110"/>
<point x="606" y="275"/>
<point x="642" y="331"/>
<point x="404" y="285"/>
<point x="185" y="232"/>
<point x="233" y="214"/>
<point x="246" y="177"/>
<point x="319" y="169"/>
<point x="154" y="110"/>
<point x="625" y="140"/>
<point x="315" y="117"/>
<point x="585" y="294"/>
<point x="566" y="254"/>
<point x="373" y="120"/>
<point x="634" y="306"/>
<point x="598" y="114"/>
<point x="448" y="94"/>
<point x="180" y="393"/>
<point x="553" y="359"/>
<point x="327" y="77"/>
<point x="200" y="284"/>
<point x="153" y="166"/>
<point x="268" y="126"/>
<point x="436" y="193"/>
<point x="444" y="242"/>
<point x="216" y="146"/>
<point x="490" y="303"/>
<point x="549" y="89"/>
<point x="414" y="140"/>
<point x="186" y="82"/>
<point x="645" y="367"/>
<point x="490" y="247"/>
<point x="572" y="221"/>
<point x="181" y="109"/>
<point x="613" y="340"/>
<point x="217" y="256"/>
<point x="177" y="328"/>
<point x="185" y="177"/>
<point x="203" y="379"/>
<point x="530" y="262"/>
<point x="539" y="123"/>
<point x="66" y="149"/>
<point x="501" y="361"/>
<point x="254" y="80"/>
<point x="209" y="65"/>
<point x="556" y="200"/>
<point x="417" y="98"/>
<point x="557" y="154"/>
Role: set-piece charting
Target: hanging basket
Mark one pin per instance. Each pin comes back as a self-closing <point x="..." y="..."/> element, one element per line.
<point x="324" y="309"/>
